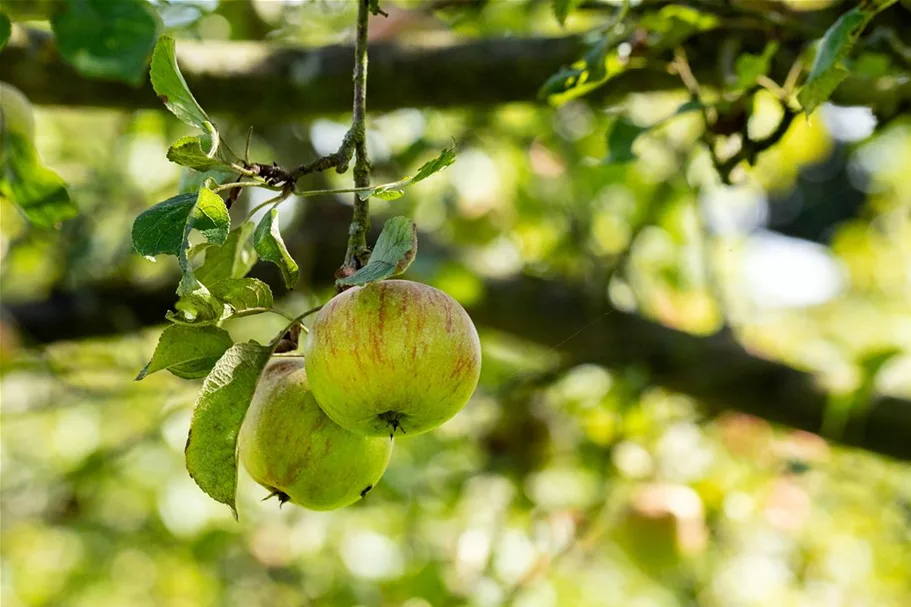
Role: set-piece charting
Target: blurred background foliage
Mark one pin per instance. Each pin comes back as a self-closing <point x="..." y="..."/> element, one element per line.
<point x="560" y="483"/>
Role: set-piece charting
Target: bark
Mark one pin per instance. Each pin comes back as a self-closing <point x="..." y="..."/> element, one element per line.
<point x="260" y="83"/>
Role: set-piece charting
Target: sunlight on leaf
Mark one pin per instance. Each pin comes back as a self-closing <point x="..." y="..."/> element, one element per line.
<point x="188" y="352"/>
<point x="270" y="247"/>
<point x="171" y="87"/>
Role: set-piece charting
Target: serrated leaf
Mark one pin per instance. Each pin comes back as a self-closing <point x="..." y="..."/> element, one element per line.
<point x="190" y="152"/>
<point x="171" y="87"/>
<point x="267" y="240"/>
<point x="828" y="70"/>
<point x="211" y="451"/>
<point x="750" y="67"/>
<point x="233" y="259"/>
<point x="6" y="30"/>
<point x="395" y="249"/>
<point x="105" y="39"/>
<point x="392" y="191"/>
<point x="443" y="160"/>
<point x="188" y="352"/>
<point x="242" y="294"/>
<point x="562" y="8"/>
<point x="164" y="228"/>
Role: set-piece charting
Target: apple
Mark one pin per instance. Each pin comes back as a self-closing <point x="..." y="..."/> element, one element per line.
<point x="392" y="355"/>
<point x="289" y="446"/>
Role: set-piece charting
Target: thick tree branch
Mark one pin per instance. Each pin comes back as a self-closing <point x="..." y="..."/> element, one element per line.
<point x="259" y="83"/>
<point x="715" y="370"/>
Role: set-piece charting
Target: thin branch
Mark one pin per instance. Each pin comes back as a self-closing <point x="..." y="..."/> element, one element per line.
<point x="277" y="200"/>
<point x="357" y="253"/>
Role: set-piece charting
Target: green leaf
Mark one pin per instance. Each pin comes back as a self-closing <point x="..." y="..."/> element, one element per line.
<point x="623" y="134"/>
<point x="267" y="240"/>
<point x="562" y="8"/>
<point x="211" y="450"/>
<point x="171" y="87"/>
<point x="164" y="228"/>
<point x="828" y="70"/>
<point x="388" y="194"/>
<point x="242" y="294"/>
<point x="233" y="259"/>
<point x="620" y="140"/>
<point x="189" y="152"/>
<point x="211" y="216"/>
<point x="6" y="30"/>
<point x="196" y="306"/>
<point x="38" y="192"/>
<point x="392" y="191"/>
<point x="105" y="39"/>
<point x="188" y="352"/>
<point x="445" y="158"/>
<point x="675" y="24"/>
<point x="160" y="229"/>
<point x="750" y="67"/>
<point x="395" y="249"/>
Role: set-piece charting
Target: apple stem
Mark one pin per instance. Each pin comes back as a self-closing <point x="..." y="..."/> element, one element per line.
<point x="358" y="253"/>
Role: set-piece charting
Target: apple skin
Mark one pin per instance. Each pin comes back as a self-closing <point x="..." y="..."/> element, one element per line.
<point x="392" y="355"/>
<point x="289" y="446"/>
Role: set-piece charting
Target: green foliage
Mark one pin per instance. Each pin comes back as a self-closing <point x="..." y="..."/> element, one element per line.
<point x="623" y="134"/>
<point x="94" y="465"/>
<point x="267" y="240"/>
<point x="392" y="191"/>
<point x="164" y="229"/>
<point x="188" y="352"/>
<point x="829" y="69"/>
<point x="6" y="30"/>
<point x="170" y="86"/>
<point x="211" y="450"/>
<point x="562" y="8"/>
<point x="242" y="295"/>
<point x="675" y="24"/>
<point x="750" y="67"/>
<point x="620" y="140"/>
<point x="233" y="259"/>
<point x="108" y="40"/>
<point x="396" y="247"/>
<point x="38" y="192"/>
<point x="189" y="152"/>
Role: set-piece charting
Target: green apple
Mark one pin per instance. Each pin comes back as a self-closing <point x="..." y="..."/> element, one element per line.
<point x="392" y="355"/>
<point x="289" y="446"/>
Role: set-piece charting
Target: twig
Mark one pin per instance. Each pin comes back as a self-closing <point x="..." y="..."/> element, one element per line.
<point x="276" y="200"/>
<point x="357" y="253"/>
